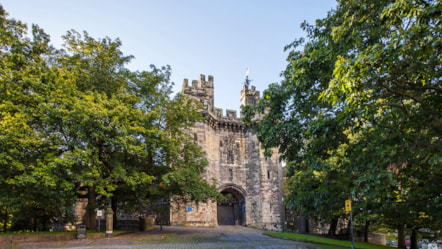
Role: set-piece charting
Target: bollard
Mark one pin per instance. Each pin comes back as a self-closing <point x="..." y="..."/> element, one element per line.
<point x="109" y="223"/>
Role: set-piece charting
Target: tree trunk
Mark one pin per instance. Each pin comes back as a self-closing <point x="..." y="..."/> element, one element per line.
<point x="401" y="237"/>
<point x="91" y="206"/>
<point x="333" y="227"/>
<point x="413" y="239"/>
<point x="5" y="221"/>
<point x="44" y="223"/>
<point x="114" y="204"/>
<point x="367" y="225"/>
<point x="161" y="222"/>
<point x="35" y="224"/>
<point x="307" y="225"/>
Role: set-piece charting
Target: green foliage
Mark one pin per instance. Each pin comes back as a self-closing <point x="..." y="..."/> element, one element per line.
<point x="77" y="119"/>
<point x="362" y="101"/>
<point x="30" y="179"/>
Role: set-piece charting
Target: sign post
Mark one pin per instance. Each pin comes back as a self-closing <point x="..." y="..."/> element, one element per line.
<point x="348" y="210"/>
<point x="99" y="214"/>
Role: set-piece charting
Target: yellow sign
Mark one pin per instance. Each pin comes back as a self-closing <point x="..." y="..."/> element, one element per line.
<point x="347" y="205"/>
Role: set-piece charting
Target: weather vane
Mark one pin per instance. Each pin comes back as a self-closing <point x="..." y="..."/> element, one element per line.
<point x="247" y="81"/>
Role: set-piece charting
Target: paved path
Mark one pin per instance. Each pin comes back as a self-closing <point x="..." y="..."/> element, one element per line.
<point x="179" y="238"/>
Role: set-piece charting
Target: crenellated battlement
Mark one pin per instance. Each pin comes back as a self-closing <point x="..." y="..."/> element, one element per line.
<point x="198" y="84"/>
<point x="218" y="113"/>
<point x="203" y="90"/>
<point x="200" y="89"/>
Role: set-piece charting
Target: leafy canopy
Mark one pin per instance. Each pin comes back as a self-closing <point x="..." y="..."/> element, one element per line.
<point x="76" y="120"/>
<point x="361" y="99"/>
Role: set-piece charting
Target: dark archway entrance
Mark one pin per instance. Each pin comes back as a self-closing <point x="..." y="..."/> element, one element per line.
<point x="232" y="210"/>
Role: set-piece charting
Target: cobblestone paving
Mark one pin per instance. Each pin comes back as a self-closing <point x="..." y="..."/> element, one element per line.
<point x="179" y="238"/>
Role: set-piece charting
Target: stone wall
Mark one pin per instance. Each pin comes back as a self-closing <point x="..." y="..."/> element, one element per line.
<point x="374" y="238"/>
<point x="193" y="214"/>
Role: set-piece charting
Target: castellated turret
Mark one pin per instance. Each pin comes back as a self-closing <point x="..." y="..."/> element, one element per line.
<point x="201" y="90"/>
<point x="249" y="96"/>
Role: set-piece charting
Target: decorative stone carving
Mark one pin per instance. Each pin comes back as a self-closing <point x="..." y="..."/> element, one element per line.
<point x="229" y="150"/>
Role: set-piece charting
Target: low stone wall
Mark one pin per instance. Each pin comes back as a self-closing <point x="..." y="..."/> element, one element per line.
<point x="375" y="238"/>
<point x="7" y="239"/>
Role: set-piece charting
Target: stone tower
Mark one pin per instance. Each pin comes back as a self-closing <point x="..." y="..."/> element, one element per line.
<point x="236" y="164"/>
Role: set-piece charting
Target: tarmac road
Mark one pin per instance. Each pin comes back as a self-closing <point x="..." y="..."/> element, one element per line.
<point x="179" y="238"/>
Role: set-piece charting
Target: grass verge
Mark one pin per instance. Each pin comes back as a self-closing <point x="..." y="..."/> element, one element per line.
<point x="326" y="243"/>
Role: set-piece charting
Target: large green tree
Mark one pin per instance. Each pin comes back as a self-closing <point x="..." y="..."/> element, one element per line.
<point x="368" y="80"/>
<point x="128" y="134"/>
<point x="75" y="122"/>
<point x="33" y="187"/>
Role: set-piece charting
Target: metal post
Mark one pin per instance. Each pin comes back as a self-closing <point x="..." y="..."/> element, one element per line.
<point x="351" y="231"/>
<point x="99" y="214"/>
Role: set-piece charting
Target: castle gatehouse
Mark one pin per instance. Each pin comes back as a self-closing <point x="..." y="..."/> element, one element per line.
<point x="236" y="164"/>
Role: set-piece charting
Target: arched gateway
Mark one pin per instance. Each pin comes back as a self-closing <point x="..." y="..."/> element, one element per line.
<point x="232" y="210"/>
<point x="236" y="165"/>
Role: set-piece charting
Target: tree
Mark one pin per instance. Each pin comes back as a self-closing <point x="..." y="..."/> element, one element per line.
<point x="129" y="137"/>
<point x="75" y="122"/>
<point x="368" y="78"/>
<point x="28" y="154"/>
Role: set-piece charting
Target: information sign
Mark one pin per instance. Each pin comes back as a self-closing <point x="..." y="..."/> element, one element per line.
<point x="347" y="205"/>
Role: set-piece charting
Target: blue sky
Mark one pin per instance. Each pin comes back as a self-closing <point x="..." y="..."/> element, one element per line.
<point x="219" y="38"/>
